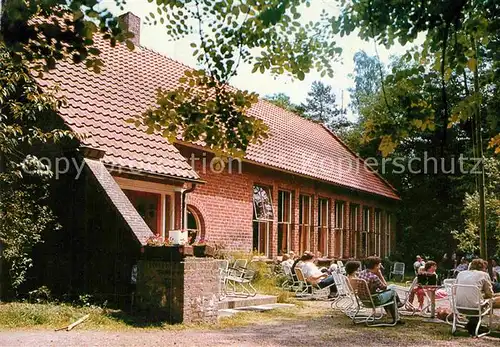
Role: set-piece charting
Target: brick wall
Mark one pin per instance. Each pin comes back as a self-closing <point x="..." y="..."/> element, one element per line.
<point x="225" y="202"/>
<point x="179" y="291"/>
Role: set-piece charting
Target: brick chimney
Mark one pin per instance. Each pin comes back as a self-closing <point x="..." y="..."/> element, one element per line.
<point x="133" y="24"/>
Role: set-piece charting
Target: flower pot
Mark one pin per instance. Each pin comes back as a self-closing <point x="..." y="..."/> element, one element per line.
<point x="167" y="253"/>
<point x="203" y="251"/>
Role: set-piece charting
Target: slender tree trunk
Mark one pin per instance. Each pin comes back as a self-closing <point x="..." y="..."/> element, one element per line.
<point x="2" y="170"/>
<point x="479" y="154"/>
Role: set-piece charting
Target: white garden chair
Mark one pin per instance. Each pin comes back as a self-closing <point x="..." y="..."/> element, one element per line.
<point x="398" y="269"/>
<point x="481" y="308"/>
<point x="365" y="300"/>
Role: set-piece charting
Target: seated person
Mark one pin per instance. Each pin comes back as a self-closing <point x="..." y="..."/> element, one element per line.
<point x="418" y="264"/>
<point x="351" y="269"/>
<point x="477" y="275"/>
<point x="464" y="265"/>
<point x="429" y="269"/>
<point x="334" y="268"/>
<point x="314" y="275"/>
<point x="495" y="267"/>
<point x="286" y="263"/>
<point x="495" y="276"/>
<point x="377" y="285"/>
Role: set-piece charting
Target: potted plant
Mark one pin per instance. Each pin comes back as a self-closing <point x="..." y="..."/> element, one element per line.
<point x="158" y="248"/>
<point x="202" y="249"/>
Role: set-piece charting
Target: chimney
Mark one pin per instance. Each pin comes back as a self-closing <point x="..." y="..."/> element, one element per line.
<point x="133" y="24"/>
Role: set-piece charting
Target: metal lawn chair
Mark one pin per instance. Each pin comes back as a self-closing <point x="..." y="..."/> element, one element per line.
<point x="365" y="300"/>
<point x="346" y="299"/>
<point x="481" y="309"/>
<point x="239" y="282"/>
<point x="240" y="264"/>
<point x="304" y="288"/>
<point x="223" y="269"/>
<point x="398" y="269"/>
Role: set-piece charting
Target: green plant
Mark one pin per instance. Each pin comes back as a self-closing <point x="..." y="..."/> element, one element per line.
<point x="40" y="295"/>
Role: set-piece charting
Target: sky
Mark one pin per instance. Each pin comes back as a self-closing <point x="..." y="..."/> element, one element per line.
<point x="156" y="38"/>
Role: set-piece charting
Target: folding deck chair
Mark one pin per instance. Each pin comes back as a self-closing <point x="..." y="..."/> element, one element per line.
<point x="239" y="282"/>
<point x="366" y="300"/>
<point x="223" y="268"/>
<point x="312" y="290"/>
<point x="398" y="269"/>
<point x="482" y="308"/>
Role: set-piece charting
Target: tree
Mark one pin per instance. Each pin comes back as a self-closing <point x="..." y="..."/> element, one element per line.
<point x="458" y="35"/>
<point x="366" y="78"/>
<point x="24" y="127"/>
<point x="468" y="236"/>
<point x="320" y="106"/>
<point x="282" y="100"/>
<point x="229" y="33"/>
<point x="423" y="226"/>
<point x="34" y="36"/>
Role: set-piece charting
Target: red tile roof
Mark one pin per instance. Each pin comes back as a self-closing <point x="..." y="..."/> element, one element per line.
<point x="99" y="104"/>
<point x="301" y="146"/>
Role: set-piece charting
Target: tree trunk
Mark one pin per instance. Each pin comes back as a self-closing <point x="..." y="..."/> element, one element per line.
<point x="479" y="154"/>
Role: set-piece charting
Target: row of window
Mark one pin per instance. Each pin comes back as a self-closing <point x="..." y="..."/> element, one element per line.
<point x="363" y="241"/>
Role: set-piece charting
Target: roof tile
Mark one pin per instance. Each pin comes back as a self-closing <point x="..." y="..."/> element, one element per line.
<point x="100" y="104"/>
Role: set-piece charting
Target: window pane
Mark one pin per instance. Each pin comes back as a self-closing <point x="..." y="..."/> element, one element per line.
<point x="148" y="205"/>
<point x="283" y="238"/>
<point x="304" y="222"/>
<point x="339" y="214"/>
<point x="263" y="207"/>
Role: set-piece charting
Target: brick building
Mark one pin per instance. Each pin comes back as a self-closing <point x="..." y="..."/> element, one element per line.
<point x="302" y="189"/>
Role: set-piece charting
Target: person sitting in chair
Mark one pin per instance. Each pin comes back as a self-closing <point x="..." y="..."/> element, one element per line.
<point x="477" y="275"/>
<point x="351" y="269"/>
<point x="418" y="264"/>
<point x="313" y="274"/>
<point x="377" y="285"/>
<point x="428" y="270"/>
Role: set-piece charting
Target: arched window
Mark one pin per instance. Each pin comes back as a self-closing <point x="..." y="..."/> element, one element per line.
<point x="195" y="224"/>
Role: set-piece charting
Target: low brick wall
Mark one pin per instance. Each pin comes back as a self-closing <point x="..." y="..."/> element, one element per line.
<point x="179" y="292"/>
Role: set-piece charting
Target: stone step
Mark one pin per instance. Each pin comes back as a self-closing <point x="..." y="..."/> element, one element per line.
<point x="237" y="302"/>
<point x="257" y="308"/>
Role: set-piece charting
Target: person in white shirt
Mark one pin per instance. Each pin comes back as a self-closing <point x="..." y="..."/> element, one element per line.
<point x="477" y="275"/>
<point x="313" y="274"/>
<point x="418" y="264"/>
<point x="286" y="263"/>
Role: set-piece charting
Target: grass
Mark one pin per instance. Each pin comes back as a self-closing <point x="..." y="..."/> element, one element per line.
<point x="54" y="316"/>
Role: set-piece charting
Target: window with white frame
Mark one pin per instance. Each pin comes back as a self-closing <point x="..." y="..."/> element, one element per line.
<point x="323" y="225"/>
<point x="153" y="201"/>
<point x="263" y="216"/>
<point x="378" y="232"/>
<point x="284" y="221"/>
<point x="355" y="234"/>
<point x="339" y="229"/>
<point x="365" y="228"/>
<point x="305" y="221"/>
<point x="388" y="229"/>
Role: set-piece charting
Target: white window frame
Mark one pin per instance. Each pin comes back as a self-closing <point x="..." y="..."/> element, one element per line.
<point x="388" y="230"/>
<point x="287" y="223"/>
<point x="354" y="228"/>
<point x="366" y="228"/>
<point x="341" y="227"/>
<point x="326" y="225"/>
<point x="157" y="188"/>
<point x="308" y="229"/>
<point x="259" y="220"/>
<point x="378" y="231"/>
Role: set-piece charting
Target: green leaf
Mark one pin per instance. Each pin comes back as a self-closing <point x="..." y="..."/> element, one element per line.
<point x="472" y="64"/>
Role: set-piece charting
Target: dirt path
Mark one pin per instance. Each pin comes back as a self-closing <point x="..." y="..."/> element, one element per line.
<point x="322" y="331"/>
